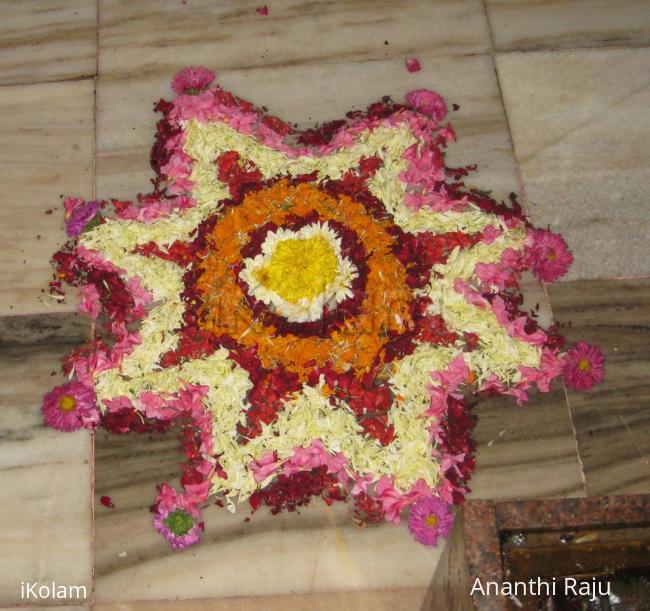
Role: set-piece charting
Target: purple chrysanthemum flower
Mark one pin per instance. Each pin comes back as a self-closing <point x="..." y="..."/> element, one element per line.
<point x="430" y="518"/>
<point x="179" y="527"/>
<point x="80" y="216"/>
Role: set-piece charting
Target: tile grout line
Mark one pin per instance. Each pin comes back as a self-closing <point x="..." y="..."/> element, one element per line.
<point x="71" y="79"/>
<point x="583" y="475"/>
<point x="621" y="47"/>
<point x="492" y="53"/>
<point x="92" y="329"/>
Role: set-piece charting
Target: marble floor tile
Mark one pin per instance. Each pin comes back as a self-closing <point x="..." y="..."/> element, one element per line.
<point x="540" y="24"/>
<point x="141" y="38"/>
<point x="46" y="479"/>
<point x="527" y="452"/>
<point x="580" y="124"/>
<point x="397" y="599"/>
<point x="126" y="122"/>
<point x="47" y="40"/>
<point x="46" y="151"/>
<point x="53" y="608"/>
<point x="44" y="328"/>
<point x="612" y="420"/>
<point x="317" y="551"/>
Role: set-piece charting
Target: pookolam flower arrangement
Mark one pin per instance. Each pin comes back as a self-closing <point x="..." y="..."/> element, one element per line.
<point x="315" y="312"/>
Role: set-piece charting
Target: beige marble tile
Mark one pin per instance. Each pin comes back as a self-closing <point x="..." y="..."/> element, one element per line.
<point x="613" y="419"/>
<point x="146" y="37"/>
<point x="540" y="24"/>
<point x="580" y="123"/>
<point x="46" y="476"/>
<point x="397" y="599"/>
<point x="54" y="608"/>
<point x="317" y="551"/>
<point x="309" y="94"/>
<point x="46" y="150"/>
<point x="47" y="40"/>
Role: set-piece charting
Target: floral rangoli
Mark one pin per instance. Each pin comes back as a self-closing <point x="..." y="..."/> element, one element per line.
<point x="315" y="312"/>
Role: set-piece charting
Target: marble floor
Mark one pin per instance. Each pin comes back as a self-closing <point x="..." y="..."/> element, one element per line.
<point x="554" y="103"/>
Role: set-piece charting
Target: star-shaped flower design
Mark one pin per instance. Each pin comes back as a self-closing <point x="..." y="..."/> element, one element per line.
<point x="311" y="309"/>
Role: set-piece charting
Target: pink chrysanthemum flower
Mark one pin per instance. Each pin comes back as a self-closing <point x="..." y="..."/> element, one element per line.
<point x="427" y="102"/>
<point x="584" y="366"/>
<point x="547" y="254"/>
<point x="192" y="80"/>
<point x="179" y="527"/>
<point x="429" y="519"/>
<point x="70" y="407"/>
<point x="413" y="64"/>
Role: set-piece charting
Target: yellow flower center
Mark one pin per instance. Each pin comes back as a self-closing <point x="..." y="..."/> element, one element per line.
<point x="431" y="521"/>
<point x="584" y="365"/>
<point x="552" y="256"/>
<point x="67" y="403"/>
<point x="299" y="268"/>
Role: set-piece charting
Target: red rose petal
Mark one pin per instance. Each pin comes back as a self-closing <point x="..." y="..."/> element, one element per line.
<point x="107" y="502"/>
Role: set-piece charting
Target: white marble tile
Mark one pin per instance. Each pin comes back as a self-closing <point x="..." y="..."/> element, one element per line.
<point x="309" y="94"/>
<point x="319" y="550"/>
<point x="540" y="24"/>
<point x="46" y="476"/>
<point x="580" y="124"/>
<point x="47" y="40"/>
<point x="46" y="151"/>
<point x="141" y="38"/>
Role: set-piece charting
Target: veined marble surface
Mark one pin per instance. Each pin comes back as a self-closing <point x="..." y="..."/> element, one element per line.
<point x="580" y="124"/>
<point x="554" y="24"/>
<point x="46" y="151"/>
<point x="47" y="40"/>
<point x="581" y="128"/>
<point x="138" y="39"/>
<point x="46" y="481"/>
<point x="612" y="421"/>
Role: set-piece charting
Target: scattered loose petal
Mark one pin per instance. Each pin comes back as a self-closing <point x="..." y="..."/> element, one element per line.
<point x="413" y="64"/>
<point x="107" y="502"/>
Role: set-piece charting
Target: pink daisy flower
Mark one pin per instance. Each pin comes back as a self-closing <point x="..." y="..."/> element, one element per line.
<point x="192" y="80"/>
<point x="70" y="407"/>
<point x="430" y="518"/>
<point x="547" y="254"/>
<point x="427" y="102"/>
<point x="177" y="517"/>
<point x="413" y="65"/>
<point x="584" y="366"/>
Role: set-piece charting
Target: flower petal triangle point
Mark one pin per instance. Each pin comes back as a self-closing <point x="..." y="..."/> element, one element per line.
<point x="314" y="312"/>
